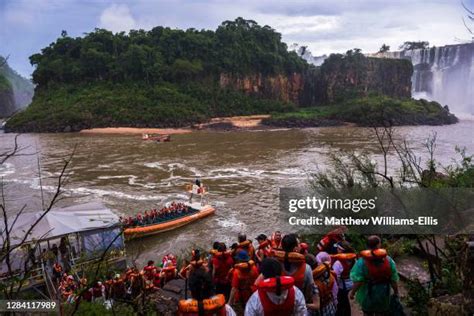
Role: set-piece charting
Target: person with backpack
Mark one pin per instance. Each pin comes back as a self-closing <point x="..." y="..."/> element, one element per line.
<point x="374" y="274"/>
<point x="222" y="262"/>
<point x="342" y="263"/>
<point x="203" y="301"/>
<point x="325" y="288"/>
<point x="243" y="276"/>
<point x="276" y="294"/>
<point x="294" y="264"/>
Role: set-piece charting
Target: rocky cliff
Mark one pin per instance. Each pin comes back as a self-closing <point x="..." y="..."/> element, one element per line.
<point x="340" y="77"/>
<point x="286" y="88"/>
<point x="16" y="92"/>
<point x="7" y="98"/>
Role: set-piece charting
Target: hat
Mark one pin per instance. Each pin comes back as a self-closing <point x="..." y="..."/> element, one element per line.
<point x="242" y="255"/>
<point x="261" y="237"/>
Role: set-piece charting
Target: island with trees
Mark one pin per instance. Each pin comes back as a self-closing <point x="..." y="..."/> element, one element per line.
<point x="173" y="78"/>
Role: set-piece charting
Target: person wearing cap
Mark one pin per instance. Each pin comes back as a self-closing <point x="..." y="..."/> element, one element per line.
<point x="264" y="249"/>
<point x="325" y="288"/>
<point x="243" y="276"/>
<point x="276" y="294"/>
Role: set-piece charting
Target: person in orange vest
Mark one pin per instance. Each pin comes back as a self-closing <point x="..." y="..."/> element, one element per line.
<point x="243" y="276"/>
<point x="222" y="262"/>
<point x="244" y="244"/>
<point x="275" y="241"/>
<point x="294" y="264"/>
<point x="329" y="241"/>
<point x="264" y="248"/>
<point x="203" y="301"/>
<point x="118" y="288"/>
<point x="325" y="287"/>
<point x="57" y="273"/>
<point x="342" y="263"/>
<point x="373" y="274"/>
<point x="149" y="273"/>
<point x="276" y="294"/>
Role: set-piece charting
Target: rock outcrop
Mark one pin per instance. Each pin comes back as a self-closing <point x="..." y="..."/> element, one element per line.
<point x="16" y="92"/>
<point x="338" y="79"/>
<point x="280" y="87"/>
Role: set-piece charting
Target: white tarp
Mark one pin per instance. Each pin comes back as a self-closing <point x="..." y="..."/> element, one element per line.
<point x="61" y="221"/>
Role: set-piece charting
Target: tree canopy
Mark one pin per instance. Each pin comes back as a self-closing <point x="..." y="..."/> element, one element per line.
<point x="165" y="54"/>
<point x="414" y="45"/>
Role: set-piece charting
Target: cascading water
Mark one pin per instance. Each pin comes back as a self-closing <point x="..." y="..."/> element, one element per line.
<point x="443" y="74"/>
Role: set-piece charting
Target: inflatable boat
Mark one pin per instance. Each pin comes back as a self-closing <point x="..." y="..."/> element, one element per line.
<point x="156" y="228"/>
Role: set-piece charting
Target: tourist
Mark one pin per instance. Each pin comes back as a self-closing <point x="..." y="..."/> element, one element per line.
<point x="373" y="275"/>
<point x="118" y="288"/>
<point x="294" y="264"/>
<point x="276" y="294"/>
<point x="264" y="248"/>
<point x="98" y="292"/>
<point x="222" y="262"/>
<point x="244" y="244"/>
<point x="329" y="241"/>
<point x="276" y="240"/>
<point x="343" y="262"/>
<point x="243" y="276"/>
<point x="326" y="289"/>
<point x="57" y="272"/>
<point x="203" y="301"/>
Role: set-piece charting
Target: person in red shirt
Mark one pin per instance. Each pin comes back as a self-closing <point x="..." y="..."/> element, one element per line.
<point x="222" y="262"/>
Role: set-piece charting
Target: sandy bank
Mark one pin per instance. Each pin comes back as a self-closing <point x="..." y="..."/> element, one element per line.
<point x="243" y="122"/>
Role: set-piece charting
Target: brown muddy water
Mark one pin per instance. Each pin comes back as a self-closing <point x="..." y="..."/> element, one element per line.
<point x="244" y="171"/>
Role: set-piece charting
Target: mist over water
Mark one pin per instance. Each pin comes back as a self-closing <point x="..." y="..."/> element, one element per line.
<point x="443" y="74"/>
<point x="244" y="171"/>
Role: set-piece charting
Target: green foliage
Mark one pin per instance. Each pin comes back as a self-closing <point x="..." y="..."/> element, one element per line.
<point x="240" y="46"/>
<point x="384" y="48"/>
<point x="418" y="297"/>
<point x="98" y="309"/>
<point x="374" y="110"/>
<point x="104" y="104"/>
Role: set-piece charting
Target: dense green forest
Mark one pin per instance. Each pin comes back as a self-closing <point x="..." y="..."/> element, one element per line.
<point x="170" y="78"/>
<point x="164" y="54"/>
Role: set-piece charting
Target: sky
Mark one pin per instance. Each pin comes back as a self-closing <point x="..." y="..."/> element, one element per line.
<point x="325" y="26"/>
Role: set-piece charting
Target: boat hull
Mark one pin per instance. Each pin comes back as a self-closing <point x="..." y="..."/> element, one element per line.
<point x="140" y="232"/>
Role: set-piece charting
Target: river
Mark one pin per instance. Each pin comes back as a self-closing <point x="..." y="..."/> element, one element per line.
<point x="243" y="170"/>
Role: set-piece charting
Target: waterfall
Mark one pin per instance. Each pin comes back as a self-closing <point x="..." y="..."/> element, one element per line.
<point x="443" y="74"/>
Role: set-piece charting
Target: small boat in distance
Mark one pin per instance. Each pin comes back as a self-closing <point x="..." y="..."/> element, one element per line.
<point x="156" y="137"/>
<point x="197" y="212"/>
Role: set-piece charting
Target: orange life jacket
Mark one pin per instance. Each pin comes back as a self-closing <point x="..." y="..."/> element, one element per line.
<point x="347" y="261"/>
<point x="271" y="285"/>
<point x="265" y="248"/>
<point x="324" y="279"/>
<point x="295" y="258"/>
<point x="149" y="272"/>
<point x="246" y="275"/>
<point x="247" y="246"/>
<point x="378" y="266"/>
<point x="169" y="273"/>
<point x="211" y="306"/>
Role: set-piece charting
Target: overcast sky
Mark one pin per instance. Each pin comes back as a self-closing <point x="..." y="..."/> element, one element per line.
<point x="325" y="26"/>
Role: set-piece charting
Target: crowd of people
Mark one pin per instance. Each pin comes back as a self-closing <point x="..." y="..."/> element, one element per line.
<point x="279" y="275"/>
<point x="172" y="211"/>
